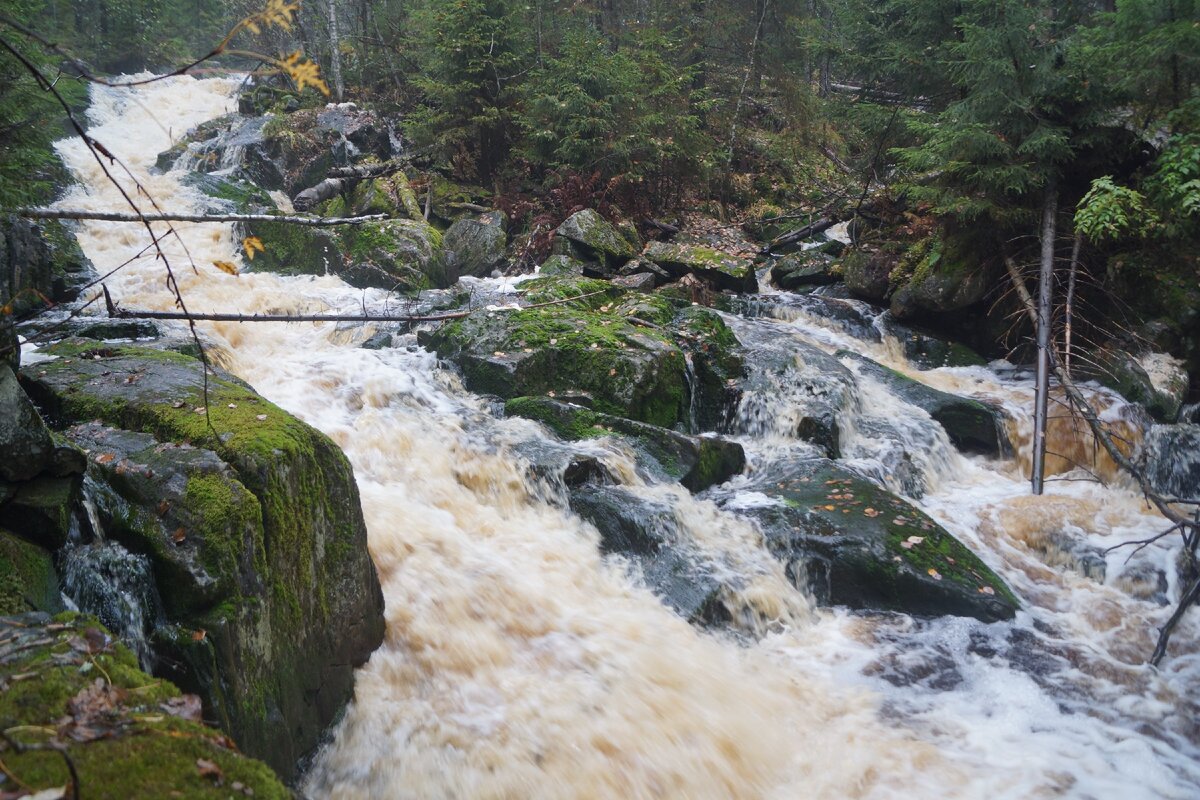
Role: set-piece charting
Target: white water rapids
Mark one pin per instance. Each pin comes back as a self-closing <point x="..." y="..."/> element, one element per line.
<point x="519" y="663"/>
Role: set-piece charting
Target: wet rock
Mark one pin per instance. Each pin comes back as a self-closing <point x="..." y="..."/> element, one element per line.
<point x="28" y="581"/>
<point x="638" y="282"/>
<point x="972" y="426"/>
<point x="803" y="269"/>
<point x="588" y="237"/>
<point x="561" y="265"/>
<point x="275" y="658"/>
<point x="1124" y="373"/>
<point x="816" y="386"/>
<point x="127" y="734"/>
<point x="26" y="447"/>
<point x="641" y="266"/>
<point x="1173" y="459"/>
<point x="866" y="273"/>
<point x="928" y="351"/>
<point x="697" y="462"/>
<point x="476" y="246"/>
<point x="851" y="543"/>
<point x="632" y="370"/>
<point x="723" y="271"/>
<point x="645" y="532"/>
<point x="44" y="510"/>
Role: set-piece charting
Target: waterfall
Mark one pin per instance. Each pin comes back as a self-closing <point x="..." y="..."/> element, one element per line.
<point x="521" y="661"/>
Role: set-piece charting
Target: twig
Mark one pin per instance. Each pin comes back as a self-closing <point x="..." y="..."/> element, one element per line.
<point x="116" y="216"/>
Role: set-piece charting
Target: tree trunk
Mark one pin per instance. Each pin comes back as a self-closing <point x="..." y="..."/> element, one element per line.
<point x="1069" y="307"/>
<point x="335" y="51"/>
<point x="1045" y="300"/>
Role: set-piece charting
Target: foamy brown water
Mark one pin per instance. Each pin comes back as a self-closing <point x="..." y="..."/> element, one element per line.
<point x="519" y="663"/>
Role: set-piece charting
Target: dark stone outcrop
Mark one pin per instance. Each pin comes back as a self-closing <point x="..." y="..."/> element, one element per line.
<point x="721" y="270"/>
<point x="253" y="527"/>
<point x="804" y="269"/>
<point x="972" y="426"/>
<point x="695" y="461"/>
<point x="126" y="733"/>
<point x="476" y="246"/>
<point x="851" y="543"/>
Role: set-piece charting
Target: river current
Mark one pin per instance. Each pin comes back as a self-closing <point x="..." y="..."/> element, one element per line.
<point x="520" y="663"/>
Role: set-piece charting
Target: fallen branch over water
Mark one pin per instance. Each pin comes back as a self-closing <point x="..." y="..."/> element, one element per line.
<point x="114" y="216"/>
<point x="116" y="312"/>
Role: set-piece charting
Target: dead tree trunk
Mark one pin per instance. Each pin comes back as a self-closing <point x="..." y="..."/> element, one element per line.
<point x="1045" y="300"/>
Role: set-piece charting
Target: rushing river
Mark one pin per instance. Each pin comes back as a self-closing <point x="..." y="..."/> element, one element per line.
<point x="520" y="663"/>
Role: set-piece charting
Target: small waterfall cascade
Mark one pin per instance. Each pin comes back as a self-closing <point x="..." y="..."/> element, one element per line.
<point x="102" y="577"/>
<point x="524" y="660"/>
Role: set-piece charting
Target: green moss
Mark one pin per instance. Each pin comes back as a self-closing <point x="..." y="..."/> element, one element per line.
<point x="579" y="423"/>
<point x="139" y="750"/>
<point x="27" y="577"/>
<point x="581" y="293"/>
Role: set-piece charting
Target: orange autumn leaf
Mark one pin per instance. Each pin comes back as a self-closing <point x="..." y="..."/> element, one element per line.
<point x="251" y="244"/>
<point x="227" y="267"/>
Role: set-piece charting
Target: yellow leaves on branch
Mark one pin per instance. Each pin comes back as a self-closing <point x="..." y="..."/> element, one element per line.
<point x="252" y="243"/>
<point x="278" y="13"/>
<point x="303" y="73"/>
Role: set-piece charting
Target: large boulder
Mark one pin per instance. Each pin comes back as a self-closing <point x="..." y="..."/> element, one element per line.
<point x="25" y="441"/>
<point x="867" y="273"/>
<point x="851" y="543"/>
<point x="587" y="236"/>
<point x="937" y="275"/>
<point x="697" y="462"/>
<point x="723" y="271"/>
<point x="804" y="269"/>
<point x="646" y="533"/>
<point x="972" y="426"/>
<point x="123" y="733"/>
<point x="476" y="246"/>
<point x="1126" y="374"/>
<point x="1173" y="459"/>
<point x="258" y="542"/>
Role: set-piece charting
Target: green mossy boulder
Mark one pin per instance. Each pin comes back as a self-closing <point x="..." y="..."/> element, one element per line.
<point x="851" y="543"/>
<point x="28" y="581"/>
<point x="66" y="682"/>
<point x="588" y="237"/>
<point x="972" y="426"/>
<point x="561" y="265"/>
<point x="476" y="246"/>
<point x="723" y="271"/>
<point x="26" y="447"/>
<point x="805" y="269"/>
<point x="937" y="275"/>
<point x="271" y="648"/>
<point x="1120" y="371"/>
<point x="697" y="462"/>
<point x="866" y="273"/>
<point x="44" y="509"/>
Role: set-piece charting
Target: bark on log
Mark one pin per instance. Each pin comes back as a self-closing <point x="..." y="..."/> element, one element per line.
<point x="821" y="225"/>
<point x="113" y="216"/>
<point x="312" y="196"/>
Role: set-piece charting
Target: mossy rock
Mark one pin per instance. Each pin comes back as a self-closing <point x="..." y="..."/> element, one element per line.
<point x="71" y="684"/>
<point x="804" y="269"/>
<point x="972" y="426"/>
<point x="476" y="246"/>
<point x="594" y="239"/>
<point x="866" y="273"/>
<point x="275" y="661"/>
<point x="629" y="370"/>
<point x="1120" y="371"/>
<point x="937" y="275"/>
<point x="722" y="270"/>
<point x="228" y="194"/>
<point x="44" y="509"/>
<point x="851" y="543"/>
<point x="561" y="265"/>
<point x="928" y="351"/>
<point x="697" y="462"/>
<point x="28" y="581"/>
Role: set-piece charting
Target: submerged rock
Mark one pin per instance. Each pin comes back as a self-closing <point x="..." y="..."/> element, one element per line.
<point x="126" y="733"/>
<point x="1173" y="459"/>
<point x="851" y="543"/>
<point x="695" y="461"/>
<point x="645" y="532"/>
<point x="972" y="426"/>
<point x="928" y="351"/>
<point x="257" y="538"/>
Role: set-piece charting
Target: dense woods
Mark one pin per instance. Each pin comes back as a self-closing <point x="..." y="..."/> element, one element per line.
<point x="801" y="266"/>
